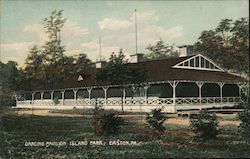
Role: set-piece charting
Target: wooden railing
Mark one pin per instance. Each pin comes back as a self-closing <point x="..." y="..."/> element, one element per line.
<point x="151" y="101"/>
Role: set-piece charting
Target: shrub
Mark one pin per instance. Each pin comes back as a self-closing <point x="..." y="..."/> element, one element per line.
<point x="56" y="100"/>
<point x="245" y="122"/>
<point x="205" y="125"/>
<point x="156" y="119"/>
<point x="106" y="122"/>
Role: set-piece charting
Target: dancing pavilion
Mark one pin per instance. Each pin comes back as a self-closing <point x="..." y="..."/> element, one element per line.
<point x="189" y="82"/>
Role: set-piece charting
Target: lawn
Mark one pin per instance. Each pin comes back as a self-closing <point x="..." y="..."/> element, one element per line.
<point x="176" y="142"/>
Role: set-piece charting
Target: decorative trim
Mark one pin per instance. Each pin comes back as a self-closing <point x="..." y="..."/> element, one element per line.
<point x="212" y="66"/>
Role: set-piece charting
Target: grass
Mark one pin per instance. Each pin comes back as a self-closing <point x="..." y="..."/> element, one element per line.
<point x="176" y="142"/>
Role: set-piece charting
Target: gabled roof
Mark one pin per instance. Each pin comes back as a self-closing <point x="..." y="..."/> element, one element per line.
<point x="159" y="70"/>
<point x="198" y="62"/>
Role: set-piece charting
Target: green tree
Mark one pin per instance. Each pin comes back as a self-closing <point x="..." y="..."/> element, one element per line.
<point x="53" y="49"/>
<point x="8" y="80"/>
<point x="205" y="125"/>
<point x="35" y="68"/>
<point x="155" y="119"/>
<point x="118" y="72"/>
<point x="228" y="45"/>
<point x="82" y="62"/>
<point x="160" y="51"/>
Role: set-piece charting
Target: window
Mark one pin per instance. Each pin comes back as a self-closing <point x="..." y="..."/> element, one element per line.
<point x="197" y="62"/>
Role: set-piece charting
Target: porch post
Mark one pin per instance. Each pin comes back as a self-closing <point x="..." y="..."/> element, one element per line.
<point x="174" y="85"/>
<point x="239" y="86"/>
<point x="75" y="94"/>
<point x="52" y="95"/>
<point x="89" y="91"/>
<point x="221" y="84"/>
<point x="124" y="95"/>
<point x="33" y="97"/>
<point x="42" y="95"/>
<point x="105" y="89"/>
<point x="200" y="84"/>
<point x="63" y="92"/>
<point x="146" y="93"/>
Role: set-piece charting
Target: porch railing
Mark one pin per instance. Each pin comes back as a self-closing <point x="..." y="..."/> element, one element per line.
<point x="150" y="101"/>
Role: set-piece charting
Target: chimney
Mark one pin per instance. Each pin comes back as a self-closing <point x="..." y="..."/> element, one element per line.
<point x="186" y="50"/>
<point x="135" y="58"/>
<point x="100" y="64"/>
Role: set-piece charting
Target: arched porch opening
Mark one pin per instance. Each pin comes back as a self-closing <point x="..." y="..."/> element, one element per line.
<point x="230" y="90"/>
<point x="114" y="92"/>
<point x="57" y="94"/>
<point x="97" y="93"/>
<point x="28" y="96"/>
<point x="37" y="95"/>
<point x="82" y="93"/>
<point x="47" y="95"/>
<point x="69" y="94"/>
<point x="160" y="90"/>
<point x="187" y="89"/>
<point x="210" y="90"/>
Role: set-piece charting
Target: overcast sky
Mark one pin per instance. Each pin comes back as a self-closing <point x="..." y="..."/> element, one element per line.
<point x="175" y="22"/>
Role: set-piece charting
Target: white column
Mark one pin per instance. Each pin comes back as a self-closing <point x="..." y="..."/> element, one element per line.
<point x="146" y="93"/>
<point x="200" y="84"/>
<point x="75" y="93"/>
<point x="89" y="91"/>
<point x="239" y="86"/>
<point x="105" y="89"/>
<point x="52" y="95"/>
<point x="124" y="95"/>
<point x="42" y="93"/>
<point x="174" y="85"/>
<point x="63" y="92"/>
<point x="33" y="97"/>
<point x="221" y="84"/>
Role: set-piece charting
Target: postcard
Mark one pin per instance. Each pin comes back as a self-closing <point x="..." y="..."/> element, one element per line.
<point x="124" y="79"/>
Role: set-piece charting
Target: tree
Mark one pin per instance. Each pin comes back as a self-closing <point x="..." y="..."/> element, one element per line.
<point x="228" y="45"/>
<point x="156" y="119"/>
<point x="160" y="51"/>
<point x="205" y="125"/>
<point x="106" y="122"/>
<point x="82" y="62"/>
<point x="47" y="65"/>
<point x="245" y="121"/>
<point x="8" y="79"/>
<point x="118" y="72"/>
<point x="35" y="67"/>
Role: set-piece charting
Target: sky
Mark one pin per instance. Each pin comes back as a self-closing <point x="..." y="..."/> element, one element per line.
<point x="175" y="22"/>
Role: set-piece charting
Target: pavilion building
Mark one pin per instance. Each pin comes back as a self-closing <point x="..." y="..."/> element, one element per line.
<point x="182" y="83"/>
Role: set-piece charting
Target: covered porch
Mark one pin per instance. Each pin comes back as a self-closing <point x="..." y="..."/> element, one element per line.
<point x="172" y="95"/>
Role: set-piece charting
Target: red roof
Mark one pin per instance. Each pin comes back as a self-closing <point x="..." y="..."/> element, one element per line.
<point x="157" y="70"/>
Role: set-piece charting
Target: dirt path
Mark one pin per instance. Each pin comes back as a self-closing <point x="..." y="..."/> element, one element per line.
<point x="178" y="121"/>
<point x="47" y="113"/>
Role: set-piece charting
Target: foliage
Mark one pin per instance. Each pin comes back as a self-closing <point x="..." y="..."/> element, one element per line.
<point x="46" y="65"/>
<point x="205" y="125"/>
<point x="17" y="129"/>
<point x="118" y="64"/>
<point x="227" y="45"/>
<point x="160" y="51"/>
<point x="156" y="119"/>
<point x="106" y="122"/>
<point x="8" y="78"/>
<point x="245" y="122"/>
<point x="118" y="72"/>
<point x="56" y="100"/>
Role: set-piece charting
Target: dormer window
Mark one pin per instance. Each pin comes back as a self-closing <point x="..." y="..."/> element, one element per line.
<point x="79" y="78"/>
